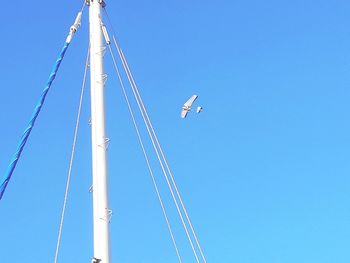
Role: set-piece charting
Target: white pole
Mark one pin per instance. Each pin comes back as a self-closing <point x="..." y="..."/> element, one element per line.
<point x="99" y="141"/>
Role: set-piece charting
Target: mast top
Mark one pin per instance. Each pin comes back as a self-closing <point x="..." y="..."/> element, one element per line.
<point x="102" y="2"/>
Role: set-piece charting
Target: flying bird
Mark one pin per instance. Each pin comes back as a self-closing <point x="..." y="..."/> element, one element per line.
<point x="187" y="106"/>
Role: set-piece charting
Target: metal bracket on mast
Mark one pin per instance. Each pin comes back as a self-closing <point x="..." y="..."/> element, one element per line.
<point x="105" y="143"/>
<point x="104" y="79"/>
<point x="109" y="215"/>
<point x="95" y="260"/>
<point x="101" y="52"/>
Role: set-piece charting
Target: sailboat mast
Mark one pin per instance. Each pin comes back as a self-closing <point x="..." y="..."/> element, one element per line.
<point x="101" y="213"/>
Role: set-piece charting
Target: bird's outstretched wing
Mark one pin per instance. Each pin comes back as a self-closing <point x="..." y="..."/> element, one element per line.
<point x="187" y="106"/>
<point x="190" y="101"/>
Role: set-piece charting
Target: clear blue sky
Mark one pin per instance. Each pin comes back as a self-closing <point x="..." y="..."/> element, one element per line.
<point x="264" y="170"/>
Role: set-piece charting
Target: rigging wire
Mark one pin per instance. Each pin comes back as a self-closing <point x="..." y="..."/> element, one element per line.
<point x="84" y="4"/>
<point x="134" y="87"/>
<point x="157" y="152"/>
<point x="146" y="121"/>
<point x="145" y="155"/>
<point x="152" y="135"/>
<point x="72" y="157"/>
<point x="162" y="154"/>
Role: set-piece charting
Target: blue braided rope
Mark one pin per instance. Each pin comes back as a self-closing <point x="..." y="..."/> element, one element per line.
<point x="5" y="180"/>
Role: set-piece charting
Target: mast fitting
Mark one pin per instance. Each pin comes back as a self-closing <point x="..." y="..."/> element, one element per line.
<point x="108" y="217"/>
<point x="74" y="27"/>
<point x="102" y="2"/>
<point x="95" y="260"/>
<point x="105" y="143"/>
<point x="105" y="33"/>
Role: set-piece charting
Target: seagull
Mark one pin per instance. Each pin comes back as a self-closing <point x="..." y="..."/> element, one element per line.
<point x="187" y="106"/>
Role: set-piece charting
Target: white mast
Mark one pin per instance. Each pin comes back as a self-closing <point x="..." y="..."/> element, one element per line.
<point x="101" y="213"/>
